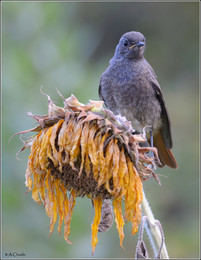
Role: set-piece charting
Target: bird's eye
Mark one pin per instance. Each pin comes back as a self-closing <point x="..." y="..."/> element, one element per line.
<point x="143" y="40"/>
<point x="125" y="43"/>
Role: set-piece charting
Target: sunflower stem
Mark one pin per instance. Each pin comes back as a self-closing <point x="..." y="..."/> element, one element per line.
<point x="154" y="231"/>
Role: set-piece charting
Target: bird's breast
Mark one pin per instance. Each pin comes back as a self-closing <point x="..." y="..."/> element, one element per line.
<point x="127" y="91"/>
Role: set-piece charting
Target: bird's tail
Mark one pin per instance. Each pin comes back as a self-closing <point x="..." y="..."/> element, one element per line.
<point x="165" y="155"/>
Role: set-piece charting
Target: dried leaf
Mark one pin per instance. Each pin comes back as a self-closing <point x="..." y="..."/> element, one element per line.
<point x="96" y="104"/>
<point x="141" y="251"/>
<point x="107" y="216"/>
<point x="53" y="110"/>
<point x="73" y="103"/>
<point x="35" y="129"/>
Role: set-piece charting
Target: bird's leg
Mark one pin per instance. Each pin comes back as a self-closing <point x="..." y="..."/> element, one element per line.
<point x="145" y="144"/>
<point x="151" y="142"/>
<point x="151" y="137"/>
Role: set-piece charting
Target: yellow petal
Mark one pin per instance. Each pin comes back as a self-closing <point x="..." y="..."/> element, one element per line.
<point x="59" y="201"/>
<point x="42" y="154"/>
<point x="68" y="216"/>
<point x="36" y="188"/>
<point x="53" y="214"/>
<point x="119" y="219"/>
<point x="34" y="156"/>
<point x="50" y="202"/>
<point x="122" y="167"/>
<point x="83" y="142"/>
<point x="131" y="193"/>
<point x="108" y="164"/>
<point x="94" y="227"/>
<point x="75" y="150"/>
<point x="115" y="167"/>
<point x="102" y="177"/>
<point x="96" y="151"/>
<point x="41" y="188"/>
<point x="139" y="197"/>
<point x="92" y="151"/>
<point x="35" y="195"/>
<point x="54" y="144"/>
<point x="68" y="136"/>
<point x="62" y="142"/>
<point x="28" y="181"/>
<point x="87" y="165"/>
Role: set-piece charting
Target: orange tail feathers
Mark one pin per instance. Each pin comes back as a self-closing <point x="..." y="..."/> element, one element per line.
<point x="165" y="155"/>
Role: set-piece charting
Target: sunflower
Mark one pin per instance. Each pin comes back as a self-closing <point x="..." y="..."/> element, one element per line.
<point x="85" y="150"/>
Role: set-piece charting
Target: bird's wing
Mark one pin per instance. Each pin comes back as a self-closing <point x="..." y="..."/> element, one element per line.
<point x="165" y="130"/>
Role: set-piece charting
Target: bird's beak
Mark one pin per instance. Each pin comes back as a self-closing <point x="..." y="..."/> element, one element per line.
<point x="139" y="44"/>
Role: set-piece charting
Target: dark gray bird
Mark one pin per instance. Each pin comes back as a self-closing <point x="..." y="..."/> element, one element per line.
<point x="129" y="87"/>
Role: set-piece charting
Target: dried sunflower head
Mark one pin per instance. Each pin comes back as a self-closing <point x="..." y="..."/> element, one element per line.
<point x="85" y="150"/>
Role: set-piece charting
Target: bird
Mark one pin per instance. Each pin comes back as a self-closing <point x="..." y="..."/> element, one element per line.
<point x="129" y="87"/>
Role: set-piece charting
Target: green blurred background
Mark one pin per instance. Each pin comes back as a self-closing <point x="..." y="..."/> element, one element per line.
<point x="67" y="45"/>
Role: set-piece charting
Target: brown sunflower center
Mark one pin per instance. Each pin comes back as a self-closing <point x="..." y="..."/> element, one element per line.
<point x="83" y="185"/>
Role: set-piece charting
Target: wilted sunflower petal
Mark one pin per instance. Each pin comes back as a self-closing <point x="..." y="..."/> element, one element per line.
<point x="59" y="202"/>
<point x="123" y="169"/>
<point x="68" y="137"/>
<point x="41" y="188"/>
<point x="50" y="202"/>
<point x="83" y="143"/>
<point x="115" y="167"/>
<point x="37" y="188"/>
<point x="65" y="210"/>
<point x="34" y="157"/>
<point x="75" y="151"/>
<point x="28" y="181"/>
<point x="43" y="150"/>
<point x="94" y="227"/>
<point x="108" y="163"/>
<point x="131" y="194"/>
<point x="92" y="150"/>
<point x="119" y="218"/>
<point x="102" y="176"/>
<point x="139" y="197"/>
<point x="54" y="143"/>
<point x="96" y="150"/>
<point x="62" y="144"/>
<point x="69" y="216"/>
<point x="35" y="195"/>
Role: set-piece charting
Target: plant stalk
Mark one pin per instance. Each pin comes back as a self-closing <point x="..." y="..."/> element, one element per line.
<point x="154" y="232"/>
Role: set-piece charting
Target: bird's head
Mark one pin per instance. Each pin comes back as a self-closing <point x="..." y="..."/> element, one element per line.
<point x="131" y="46"/>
